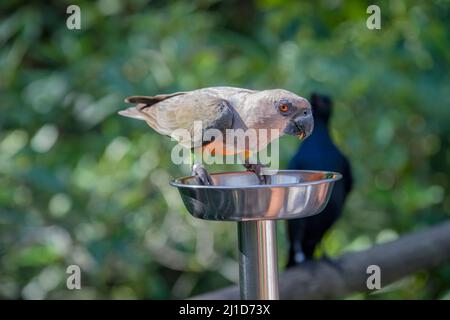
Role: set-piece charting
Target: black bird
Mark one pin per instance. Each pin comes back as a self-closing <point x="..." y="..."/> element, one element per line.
<point x="318" y="152"/>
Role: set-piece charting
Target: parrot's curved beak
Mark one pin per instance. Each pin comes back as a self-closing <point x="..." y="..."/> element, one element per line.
<point x="300" y="126"/>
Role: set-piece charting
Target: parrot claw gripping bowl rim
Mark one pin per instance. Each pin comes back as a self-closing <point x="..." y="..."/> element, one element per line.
<point x="238" y="196"/>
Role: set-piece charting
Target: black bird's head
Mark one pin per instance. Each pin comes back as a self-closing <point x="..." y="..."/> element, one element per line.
<point x="322" y="107"/>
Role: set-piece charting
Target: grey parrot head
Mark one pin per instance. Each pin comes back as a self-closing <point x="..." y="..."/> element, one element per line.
<point x="286" y="111"/>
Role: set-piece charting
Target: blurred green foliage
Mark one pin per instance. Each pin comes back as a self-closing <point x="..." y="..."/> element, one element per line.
<point x="81" y="185"/>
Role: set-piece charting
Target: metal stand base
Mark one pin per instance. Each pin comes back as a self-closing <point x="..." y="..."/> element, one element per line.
<point x="258" y="261"/>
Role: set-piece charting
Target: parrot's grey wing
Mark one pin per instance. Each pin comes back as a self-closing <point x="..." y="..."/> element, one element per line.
<point x="227" y="91"/>
<point x="186" y="117"/>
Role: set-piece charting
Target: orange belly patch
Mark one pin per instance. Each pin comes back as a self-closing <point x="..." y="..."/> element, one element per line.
<point x="218" y="148"/>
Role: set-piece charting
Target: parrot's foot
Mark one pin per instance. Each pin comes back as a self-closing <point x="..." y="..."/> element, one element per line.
<point x="203" y="176"/>
<point x="257" y="168"/>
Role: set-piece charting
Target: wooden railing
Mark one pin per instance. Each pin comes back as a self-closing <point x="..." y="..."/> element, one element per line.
<point x="347" y="274"/>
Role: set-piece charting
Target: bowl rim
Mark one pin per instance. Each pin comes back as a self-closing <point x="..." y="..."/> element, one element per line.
<point x="336" y="176"/>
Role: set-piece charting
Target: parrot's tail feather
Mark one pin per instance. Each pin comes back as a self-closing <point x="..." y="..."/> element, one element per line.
<point x="131" y="113"/>
<point x="147" y="101"/>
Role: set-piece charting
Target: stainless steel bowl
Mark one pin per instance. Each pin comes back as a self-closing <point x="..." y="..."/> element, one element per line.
<point x="238" y="196"/>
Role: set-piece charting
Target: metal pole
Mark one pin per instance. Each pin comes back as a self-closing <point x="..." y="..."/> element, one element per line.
<point x="258" y="265"/>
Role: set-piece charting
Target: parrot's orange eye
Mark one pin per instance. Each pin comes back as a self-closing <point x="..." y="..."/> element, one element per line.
<point x="283" y="107"/>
